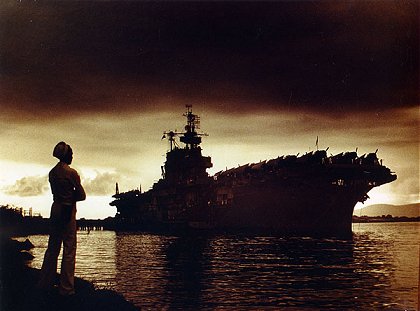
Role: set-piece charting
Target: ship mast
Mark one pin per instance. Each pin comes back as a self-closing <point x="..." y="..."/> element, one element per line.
<point x="186" y="165"/>
<point x="190" y="137"/>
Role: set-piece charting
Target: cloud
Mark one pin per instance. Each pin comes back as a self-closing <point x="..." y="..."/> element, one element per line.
<point x="28" y="186"/>
<point x="103" y="184"/>
<point x="88" y="57"/>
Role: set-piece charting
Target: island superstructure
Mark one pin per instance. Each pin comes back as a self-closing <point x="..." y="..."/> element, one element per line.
<point x="312" y="193"/>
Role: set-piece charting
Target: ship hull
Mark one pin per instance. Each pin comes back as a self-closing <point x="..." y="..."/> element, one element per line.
<point x="273" y="207"/>
<point x="270" y="208"/>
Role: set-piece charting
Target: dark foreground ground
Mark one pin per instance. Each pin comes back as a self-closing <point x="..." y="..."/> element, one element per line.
<point x="18" y="287"/>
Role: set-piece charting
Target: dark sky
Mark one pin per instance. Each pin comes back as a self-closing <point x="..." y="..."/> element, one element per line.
<point x="328" y="57"/>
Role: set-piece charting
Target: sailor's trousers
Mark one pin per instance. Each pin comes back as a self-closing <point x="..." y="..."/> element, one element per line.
<point x="63" y="230"/>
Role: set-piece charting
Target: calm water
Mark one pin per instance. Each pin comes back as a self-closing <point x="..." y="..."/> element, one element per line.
<point x="377" y="269"/>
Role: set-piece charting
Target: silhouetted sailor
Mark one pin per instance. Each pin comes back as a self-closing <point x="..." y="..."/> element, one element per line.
<point x="67" y="190"/>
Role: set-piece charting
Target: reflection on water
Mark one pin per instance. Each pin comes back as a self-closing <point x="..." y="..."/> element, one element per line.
<point x="140" y="270"/>
<point x="283" y="272"/>
<point x="377" y="269"/>
<point x="95" y="256"/>
<point x="391" y="250"/>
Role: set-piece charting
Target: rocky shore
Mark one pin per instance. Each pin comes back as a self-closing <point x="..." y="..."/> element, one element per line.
<point x="18" y="289"/>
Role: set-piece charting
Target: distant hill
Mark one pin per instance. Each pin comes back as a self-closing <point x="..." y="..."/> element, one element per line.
<point x="409" y="210"/>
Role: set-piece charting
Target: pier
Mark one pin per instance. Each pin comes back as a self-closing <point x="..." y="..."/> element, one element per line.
<point x="90" y="225"/>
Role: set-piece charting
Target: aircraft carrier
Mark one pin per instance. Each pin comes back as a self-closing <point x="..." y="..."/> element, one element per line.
<point x="309" y="194"/>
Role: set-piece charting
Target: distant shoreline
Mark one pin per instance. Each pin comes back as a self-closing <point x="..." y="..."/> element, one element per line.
<point x="388" y="218"/>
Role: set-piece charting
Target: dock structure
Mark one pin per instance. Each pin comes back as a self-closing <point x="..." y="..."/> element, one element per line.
<point x="90" y="225"/>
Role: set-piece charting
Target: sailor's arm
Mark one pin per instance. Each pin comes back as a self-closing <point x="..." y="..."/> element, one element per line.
<point x="79" y="192"/>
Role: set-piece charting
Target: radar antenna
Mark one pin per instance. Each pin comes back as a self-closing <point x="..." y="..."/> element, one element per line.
<point x="191" y="138"/>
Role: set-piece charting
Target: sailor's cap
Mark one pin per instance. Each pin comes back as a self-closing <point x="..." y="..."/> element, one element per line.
<point x="61" y="150"/>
